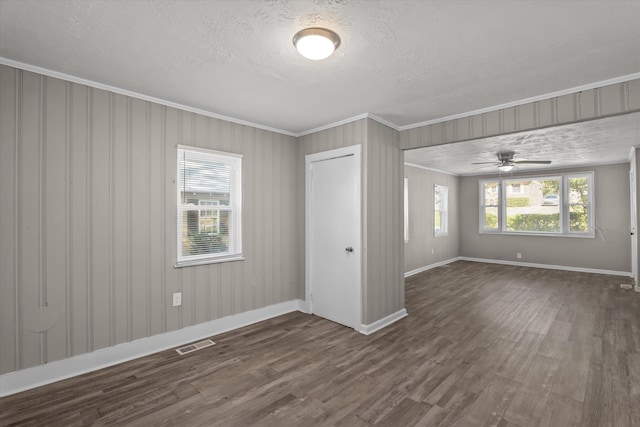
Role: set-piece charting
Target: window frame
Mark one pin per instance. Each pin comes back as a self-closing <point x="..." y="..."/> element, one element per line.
<point x="563" y="204"/>
<point x="444" y="211"/>
<point x="482" y="212"/>
<point x="234" y="252"/>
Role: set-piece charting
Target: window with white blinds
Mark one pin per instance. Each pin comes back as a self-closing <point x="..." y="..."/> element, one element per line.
<point x="209" y="206"/>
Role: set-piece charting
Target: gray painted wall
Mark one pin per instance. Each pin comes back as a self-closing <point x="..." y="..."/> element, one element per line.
<point x="612" y="215"/>
<point x="421" y="219"/>
<point x="637" y="150"/>
<point x="382" y="278"/>
<point x="637" y="174"/>
<point x="87" y="220"/>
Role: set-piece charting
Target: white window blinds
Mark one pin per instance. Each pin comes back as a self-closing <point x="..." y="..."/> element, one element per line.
<point x="209" y="206"/>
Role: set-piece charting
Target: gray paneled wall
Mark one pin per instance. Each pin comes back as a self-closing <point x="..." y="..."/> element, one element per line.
<point x="636" y="153"/>
<point x="418" y="249"/>
<point x="610" y="250"/>
<point x="620" y="98"/>
<point x="383" y="283"/>
<point x="383" y="201"/>
<point x="88" y="221"/>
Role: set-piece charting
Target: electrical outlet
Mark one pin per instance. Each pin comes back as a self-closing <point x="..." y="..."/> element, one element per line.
<point x="177" y="299"/>
<point x="433" y="251"/>
<point x="519" y="255"/>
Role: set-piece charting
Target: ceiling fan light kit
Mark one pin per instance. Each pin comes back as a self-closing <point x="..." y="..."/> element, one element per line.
<point x="316" y="43"/>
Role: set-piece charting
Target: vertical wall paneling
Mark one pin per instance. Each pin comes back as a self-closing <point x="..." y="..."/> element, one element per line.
<point x="69" y="220"/>
<point x="383" y="284"/>
<point x="199" y="279"/>
<point x="78" y="250"/>
<point x="29" y="181"/>
<point x="42" y="212"/>
<point x="89" y="227"/>
<point x="10" y="99"/>
<point x="385" y="281"/>
<point x="172" y="275"/>
<point x="248" y="227"/>
<point x="619" y="98"/>
<point x="54" y="216"/>
<point x="111" y="228"/>
<point x="267" y="241"/>
<point x="120" y="161"/>
<point x="100" y="212"/>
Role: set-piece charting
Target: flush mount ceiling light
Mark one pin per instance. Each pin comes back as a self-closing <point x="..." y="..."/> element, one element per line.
<point x="316" y="43"/>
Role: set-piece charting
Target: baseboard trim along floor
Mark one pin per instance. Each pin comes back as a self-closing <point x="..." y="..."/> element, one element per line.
<point x="383" y="323"/>
<point x="548" y="266"/>
<point x="518" y="264"/>
<point x="25" y="379"/>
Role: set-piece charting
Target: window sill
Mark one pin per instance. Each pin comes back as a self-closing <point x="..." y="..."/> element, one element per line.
<point x="508" y="233"/>
<point x="203" y="261"/>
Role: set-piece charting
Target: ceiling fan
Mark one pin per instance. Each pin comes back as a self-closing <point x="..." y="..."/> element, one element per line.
<point x="506" y="162"/>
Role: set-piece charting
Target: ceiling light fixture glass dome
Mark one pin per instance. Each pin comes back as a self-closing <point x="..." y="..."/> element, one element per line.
<point x="316" y="43"/>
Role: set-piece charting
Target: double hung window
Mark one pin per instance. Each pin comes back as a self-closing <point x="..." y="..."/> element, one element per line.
<point x="441" y="210"/>
<point x="209" y="206"/>
<point x="547" y="205"/>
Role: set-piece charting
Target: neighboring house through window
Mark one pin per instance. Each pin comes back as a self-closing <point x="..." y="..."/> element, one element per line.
<point x="547" y="205"/>
<point x="209" y="206"/>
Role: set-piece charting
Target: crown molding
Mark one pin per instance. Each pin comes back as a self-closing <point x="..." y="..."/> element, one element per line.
<point x="125" y="92"/>
<point x="132" y="94"/>
<point x="349" y="120"/>
<point x="549" y="95"/>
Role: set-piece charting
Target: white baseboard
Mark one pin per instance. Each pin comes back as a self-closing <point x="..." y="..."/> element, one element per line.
<point x="29" y="378"/>
<point x="303" y="306"/>
<point x="548" y="266"/>
<point x="430" y="266"/>
<point x="382" y="323"/>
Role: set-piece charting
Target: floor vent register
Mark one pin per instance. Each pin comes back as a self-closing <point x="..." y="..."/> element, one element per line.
<point x="194" y="347"/>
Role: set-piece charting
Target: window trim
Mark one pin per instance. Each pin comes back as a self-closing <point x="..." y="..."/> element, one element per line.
<point x="444" y="213"/>
<point x="235" y="208"/>
<point x="563" y="203"/>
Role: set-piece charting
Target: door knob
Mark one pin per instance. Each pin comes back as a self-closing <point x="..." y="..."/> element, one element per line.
<point x="349" y="249"/>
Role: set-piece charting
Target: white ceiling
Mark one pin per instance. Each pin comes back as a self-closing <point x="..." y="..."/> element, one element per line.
<point x="405" y="61"/>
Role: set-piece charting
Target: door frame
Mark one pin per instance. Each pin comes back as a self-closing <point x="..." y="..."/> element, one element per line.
<point x="634" y="170"/>
<point x="355" y="151"/>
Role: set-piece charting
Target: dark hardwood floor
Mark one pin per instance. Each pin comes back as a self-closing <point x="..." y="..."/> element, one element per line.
<point x="483" y="345"/>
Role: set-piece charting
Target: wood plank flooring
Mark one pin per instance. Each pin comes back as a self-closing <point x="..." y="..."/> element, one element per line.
<point x="483" y="345"/>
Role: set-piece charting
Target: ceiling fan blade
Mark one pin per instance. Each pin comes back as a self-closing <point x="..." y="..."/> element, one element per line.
<point x="533" y="162"/>
<point x="486" y="163"/>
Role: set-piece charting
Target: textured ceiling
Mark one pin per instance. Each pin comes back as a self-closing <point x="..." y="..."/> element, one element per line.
<point x="404" y="61"/>
<point x="600" y="141"/>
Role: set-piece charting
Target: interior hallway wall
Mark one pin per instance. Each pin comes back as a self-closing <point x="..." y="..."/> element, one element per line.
<point x="422" y="242"/>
